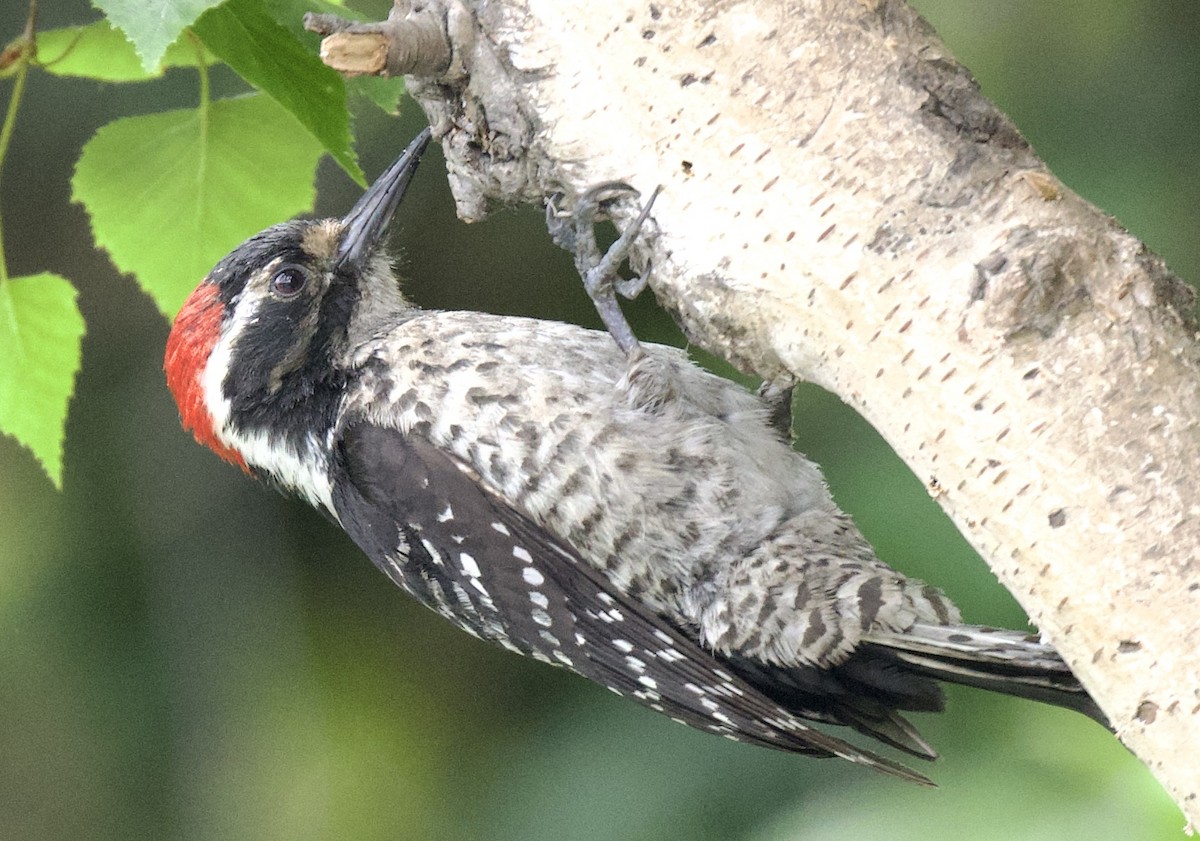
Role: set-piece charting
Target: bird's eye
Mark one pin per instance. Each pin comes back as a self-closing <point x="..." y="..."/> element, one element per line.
<point x="288" y="282"/>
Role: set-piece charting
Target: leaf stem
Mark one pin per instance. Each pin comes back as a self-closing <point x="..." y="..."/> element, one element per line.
<point x="202" y="112"/>
<point x="205" y="85"/>
<point x="27" y="53"/>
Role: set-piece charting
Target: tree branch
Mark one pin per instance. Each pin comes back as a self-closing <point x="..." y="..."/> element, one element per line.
<point x="841" y="205"/>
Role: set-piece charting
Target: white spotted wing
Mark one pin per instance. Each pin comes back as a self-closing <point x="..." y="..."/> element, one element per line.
<point x="425" y="519"/>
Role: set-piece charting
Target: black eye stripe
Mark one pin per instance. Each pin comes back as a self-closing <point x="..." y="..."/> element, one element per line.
<point x="277" y="246"/>
<point x="289" y="281"/>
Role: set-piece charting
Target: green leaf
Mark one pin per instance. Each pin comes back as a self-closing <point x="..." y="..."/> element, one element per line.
<point x="152" y="25"/>
<point x="40" y="335"/>
<point x="290" y="15"/>
<point x="269" y="57"/>
<point x="98" y="51"/>
<point x="384" y="92"/>
<point x="170" y="194"/>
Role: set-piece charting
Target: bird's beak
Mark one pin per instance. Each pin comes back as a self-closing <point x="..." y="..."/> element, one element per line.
<point x="363" y="227"/>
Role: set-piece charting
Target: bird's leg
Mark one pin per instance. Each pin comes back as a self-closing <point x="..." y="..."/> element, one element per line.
<point x="779" y="403"/>
<point x="575" y="231"/>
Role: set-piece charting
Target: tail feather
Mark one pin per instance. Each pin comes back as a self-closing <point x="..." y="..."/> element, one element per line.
<point x="886" y="725"/>
<point x="866" y="698"/>
<point x="1008" y="662"/>
<point x="896" y="672"/>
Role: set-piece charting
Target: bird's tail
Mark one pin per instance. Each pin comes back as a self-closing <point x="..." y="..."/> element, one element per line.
<point x="1009" y="662"/>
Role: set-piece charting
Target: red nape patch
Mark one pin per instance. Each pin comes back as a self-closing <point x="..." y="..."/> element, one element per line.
<point x="192" y="339"/>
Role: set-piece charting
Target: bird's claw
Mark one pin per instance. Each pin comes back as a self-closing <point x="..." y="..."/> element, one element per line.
<point x="575" y="231"/>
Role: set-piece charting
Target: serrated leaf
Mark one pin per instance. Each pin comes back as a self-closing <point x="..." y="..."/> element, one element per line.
<point x="152" y="25"/>
<point x="98" y="51"/>
<point x="40" y="335"/>
<point x="269" y="57"/>
<point x="170" y="194"/>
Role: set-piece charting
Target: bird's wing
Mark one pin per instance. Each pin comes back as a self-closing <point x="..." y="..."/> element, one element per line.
<point x="425" y="519"/>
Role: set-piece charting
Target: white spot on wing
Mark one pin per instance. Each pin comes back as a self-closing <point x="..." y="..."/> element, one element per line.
<point x="520" y="553"/>
<point x="446" y="515"/>
<point x="434" y="554"/>
<point x="468" y="565"/>
<point x="500" y="527"/>
<point x="532" y="577"/>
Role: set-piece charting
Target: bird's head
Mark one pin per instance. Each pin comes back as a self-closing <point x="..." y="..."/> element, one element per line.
<point x="254" y="359"/>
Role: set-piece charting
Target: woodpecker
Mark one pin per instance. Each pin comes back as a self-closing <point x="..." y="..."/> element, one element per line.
<point x="521" y="478"/>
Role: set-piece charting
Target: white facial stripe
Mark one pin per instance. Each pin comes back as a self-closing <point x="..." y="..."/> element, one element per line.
<point x="212" y="379"/>
<point x="302" y="472"/>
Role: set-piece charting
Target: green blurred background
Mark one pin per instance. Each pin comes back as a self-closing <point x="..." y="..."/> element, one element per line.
<point x="183" y="654"/>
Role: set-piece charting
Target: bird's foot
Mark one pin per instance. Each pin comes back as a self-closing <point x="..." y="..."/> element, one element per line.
<point x="575" y="231"/>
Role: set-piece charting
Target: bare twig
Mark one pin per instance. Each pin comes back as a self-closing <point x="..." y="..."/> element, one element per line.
<point x="410" y="41"/>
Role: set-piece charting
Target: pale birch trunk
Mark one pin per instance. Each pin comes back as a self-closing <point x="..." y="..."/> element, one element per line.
<point x="842" y="206"/>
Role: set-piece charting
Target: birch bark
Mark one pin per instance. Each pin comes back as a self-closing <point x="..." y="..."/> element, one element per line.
<point x="841" y="205"/>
